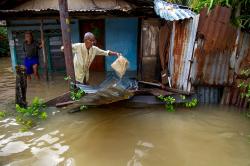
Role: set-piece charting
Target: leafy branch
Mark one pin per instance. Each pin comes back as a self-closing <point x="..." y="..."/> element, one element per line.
<point x="27" y="117"/>
<point x="75" y="94"/>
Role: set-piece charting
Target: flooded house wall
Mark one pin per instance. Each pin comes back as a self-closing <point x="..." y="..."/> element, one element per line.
<point x="232" y="94"/>
<point x="213" y="49"/>
<point x="179" y="51"/>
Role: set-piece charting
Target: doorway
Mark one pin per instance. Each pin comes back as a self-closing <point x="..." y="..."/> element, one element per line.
<point x="97" y="27"/>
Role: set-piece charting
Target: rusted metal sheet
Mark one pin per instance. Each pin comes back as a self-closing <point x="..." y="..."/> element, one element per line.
<point x="113" y="89"/>
<point x="181" y="52"/>
<point x="232" y="94"/>
<point x="208" y="94"/>
<point x="242" y="60"/>
<point x="213" y="48"/>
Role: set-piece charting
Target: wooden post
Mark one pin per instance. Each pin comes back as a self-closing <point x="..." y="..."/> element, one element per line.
<point x="45" y="57"/>
<point x="65" y="27"/>
<point x="21" y="86"/>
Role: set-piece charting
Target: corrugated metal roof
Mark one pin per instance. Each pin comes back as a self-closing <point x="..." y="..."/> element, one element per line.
<point x="171" y="12"/>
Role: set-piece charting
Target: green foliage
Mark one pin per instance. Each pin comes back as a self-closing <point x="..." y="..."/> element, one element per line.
<point x="192" y="103"/>
<point x="183" y="97"/>
<point x="245" y="87"/>
<point x="245" y="72"/>
<point x="169" y="102"/>
<point x="239" y="19"/>
<point x="27" y="117"/>
<point x="75" y="94"/>
<point x="67" y="78"/>
<point x="2" y="114"/>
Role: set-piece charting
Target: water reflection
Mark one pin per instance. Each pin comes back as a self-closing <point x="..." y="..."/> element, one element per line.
<point x="114" y="136"/>
<point x="46" y="149"/>
<point x="142" y="149"/>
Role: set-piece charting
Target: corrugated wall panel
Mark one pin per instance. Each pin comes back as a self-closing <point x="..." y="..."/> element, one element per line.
<point x="181" y="52"/>
<point x="213" y="50"/>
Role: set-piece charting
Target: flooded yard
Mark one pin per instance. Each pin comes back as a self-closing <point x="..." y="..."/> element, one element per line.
<point x="114" y="136"/>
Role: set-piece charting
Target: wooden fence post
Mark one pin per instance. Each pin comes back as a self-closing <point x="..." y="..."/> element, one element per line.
<point x="21" y="86"/>
<point x="65" y="28"/>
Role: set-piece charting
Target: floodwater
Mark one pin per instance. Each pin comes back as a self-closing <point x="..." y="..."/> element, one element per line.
<point x="125" y="136"/>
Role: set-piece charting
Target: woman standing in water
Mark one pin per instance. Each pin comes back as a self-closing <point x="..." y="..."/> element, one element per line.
<point x="31" y="61"/>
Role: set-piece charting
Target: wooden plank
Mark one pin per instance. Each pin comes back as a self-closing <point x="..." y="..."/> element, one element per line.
<point x="65" y="28"/>
<point x="59" y="99"/>
<point x="63" y="104"/>
<point x="45" y="56"/>
<point x="166" y="88"/>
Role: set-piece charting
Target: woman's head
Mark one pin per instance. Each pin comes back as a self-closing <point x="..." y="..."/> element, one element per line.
<point x="28" y="36"/>
<point x="89" y="39"/>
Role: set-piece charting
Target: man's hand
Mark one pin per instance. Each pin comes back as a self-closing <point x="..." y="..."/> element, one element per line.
<point x="114" y="53"/>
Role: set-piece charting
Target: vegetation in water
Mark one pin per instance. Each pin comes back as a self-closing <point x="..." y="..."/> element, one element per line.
<point x="2" y="114"/>
<point x="75" y="94"/>
<point x="183" y="97"/>
<point x="192" y="103"/>
<point x="28" y="117"/>
<point x="169" y="102"/>
<point x="189" y="104"/>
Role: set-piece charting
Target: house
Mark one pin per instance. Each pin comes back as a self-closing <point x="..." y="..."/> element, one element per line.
<point x="164" y="42"/>
<point x="115" y="23"/>
<point x="129" y="27"/>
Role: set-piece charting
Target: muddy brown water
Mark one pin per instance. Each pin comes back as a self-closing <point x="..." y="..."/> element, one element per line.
<point x="117" y="136"/>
